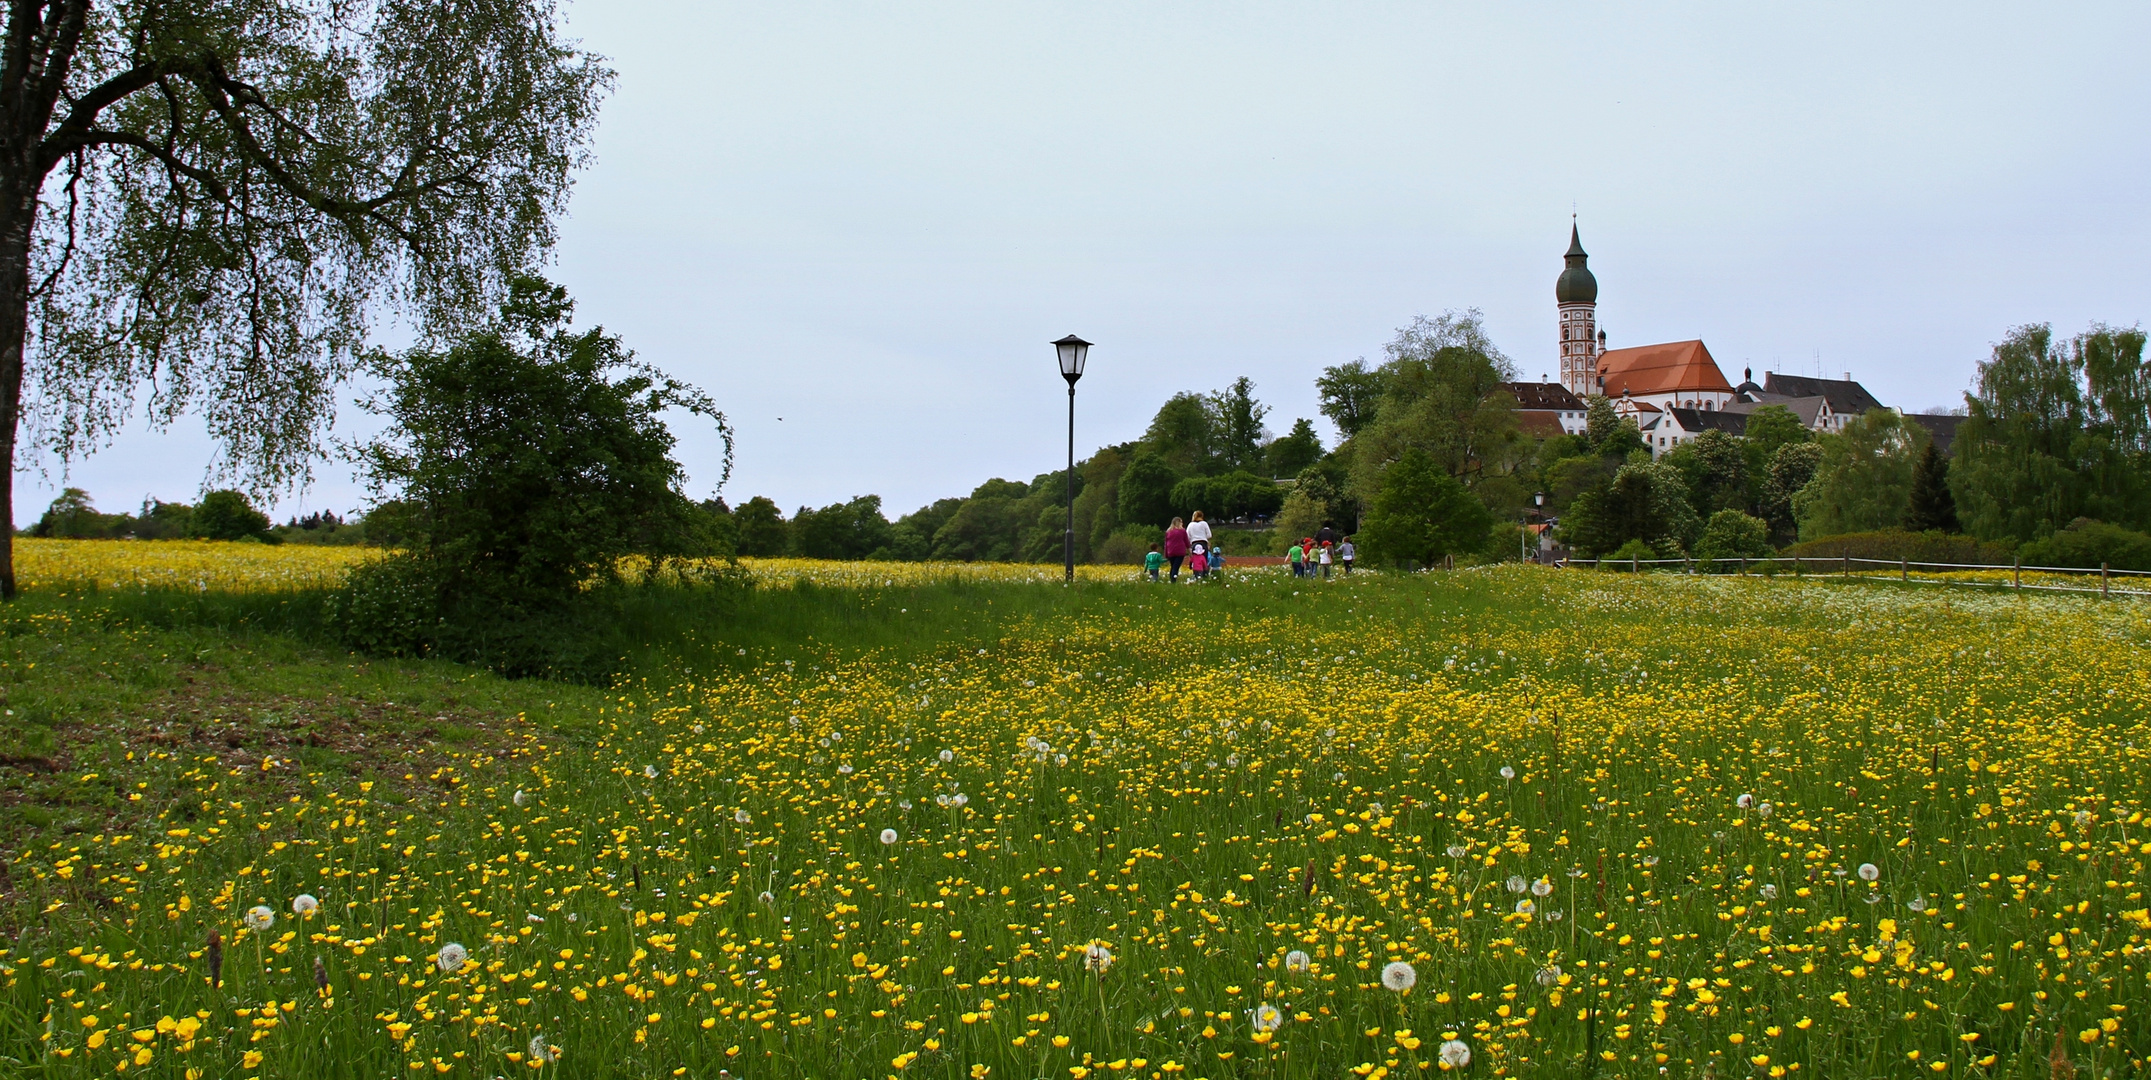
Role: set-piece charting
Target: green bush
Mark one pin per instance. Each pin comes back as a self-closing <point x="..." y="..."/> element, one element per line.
<point x="1731" y="534"/>
<point x="2087" y="544"/>
<point x="1635" y="549"/>
<point x="1894" y="544"/>
<point x="227" y="515"/>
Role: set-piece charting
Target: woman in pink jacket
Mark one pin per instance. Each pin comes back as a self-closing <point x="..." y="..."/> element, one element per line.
<point x="1176" y="546"/>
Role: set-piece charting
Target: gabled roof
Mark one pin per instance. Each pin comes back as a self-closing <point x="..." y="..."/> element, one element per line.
<point x="1539" y="423"/>
<point x="1700" y="420"/>
<point x="1807" y="410"/>
<point x="1544" y="395"/>
<point x="1942" y="428"/>
<point x="1673" y="367"/>
<point x="1846" y="396"/>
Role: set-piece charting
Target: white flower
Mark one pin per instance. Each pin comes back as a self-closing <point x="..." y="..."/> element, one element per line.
<point x="1097" y="958"/>
<point x="959" y="799"/>
<point x="1917" y="904"/>
<point x="1297" y="961"/>
<point x="888" y="836"/>
<point x="1454" y="1054"/>
<point x="304" y="904"/>
<point x="767" y="897"/>
<point x="1549" y="975"/>
<point x="1541" y="887"/>
<point x="1266" y="1017"/>
<point x="519" y="798"/>
<point x="1650" y="860"/>
<point x="259" y="918"/>
<point x="534" y="918"/>
<point x="903" y="804"/>
<point x="1060" y="759"/>
<point x="451" y="957"/>
<point x="1763" y="810"/>
<point x="1399" y="976"/>
<point x="1456" y="851"/>
<point x="1339" y="778"/>
<point x="844" y="769"/>
<point x="742" y="816"/>
<point x="941" y="799"/>
<point x="1770" y="892"/>
<point x="1517" y="884"/>
<point x="1508" y="773"/>
<point x="947" y="756"/>
<point x="1869" y="871"/>
<point x="1744" y="801"/>
<point x="1525" y="907"/>
<point x="650" y="771"/>
<point x="542" y="1052"/>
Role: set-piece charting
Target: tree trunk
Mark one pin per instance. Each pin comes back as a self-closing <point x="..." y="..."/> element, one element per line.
<point x="17" y="215"/>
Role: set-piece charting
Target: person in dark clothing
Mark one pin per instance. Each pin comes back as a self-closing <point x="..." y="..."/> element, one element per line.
<point x="1176" y="548"/>
<point x="1327" y="537"/>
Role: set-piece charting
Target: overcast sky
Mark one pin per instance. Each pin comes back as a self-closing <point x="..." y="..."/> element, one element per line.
<point x="870" y="220"/>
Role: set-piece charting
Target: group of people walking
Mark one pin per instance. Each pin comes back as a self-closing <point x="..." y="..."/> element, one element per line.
<point x="1191" y="544"/>
<point x="1187" y="542"/>
<point x="1324" y="549"/>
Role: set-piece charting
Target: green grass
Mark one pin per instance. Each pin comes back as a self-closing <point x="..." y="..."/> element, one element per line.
<point x="1225" y="775"/>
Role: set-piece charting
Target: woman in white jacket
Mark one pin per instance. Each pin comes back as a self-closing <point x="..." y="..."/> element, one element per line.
<point x="1198" y="529"/>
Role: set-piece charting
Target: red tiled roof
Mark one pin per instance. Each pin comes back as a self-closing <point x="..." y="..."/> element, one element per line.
<point x="1661" y="369"/>
<point x="1537" y="423"/>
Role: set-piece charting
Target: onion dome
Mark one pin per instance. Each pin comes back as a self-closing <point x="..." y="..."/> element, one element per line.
<point x="1576" y="285"/>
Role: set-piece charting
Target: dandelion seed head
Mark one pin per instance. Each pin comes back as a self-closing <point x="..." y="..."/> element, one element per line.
<point x="259" y="918"/>
<point x="1399" y="976"/>
<point x="451" y="958"/>
<point x="304" y="904"/>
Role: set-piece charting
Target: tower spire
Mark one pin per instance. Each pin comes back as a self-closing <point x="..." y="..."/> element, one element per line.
<point x="1576" y="294"/>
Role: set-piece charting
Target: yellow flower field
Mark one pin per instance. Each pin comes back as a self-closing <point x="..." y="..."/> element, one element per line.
<point x="1502" y="822"/>
<point x="193" y="564"/>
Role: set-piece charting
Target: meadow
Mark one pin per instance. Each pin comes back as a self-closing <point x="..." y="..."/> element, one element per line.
<point x="963" y="822"/>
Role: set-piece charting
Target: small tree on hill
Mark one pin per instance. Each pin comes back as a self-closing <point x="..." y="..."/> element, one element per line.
<point x="1421" y="513"/>
<point x="227" y="515"/>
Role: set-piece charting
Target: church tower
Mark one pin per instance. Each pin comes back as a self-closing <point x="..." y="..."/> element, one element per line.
<point x="1577" y="294"/>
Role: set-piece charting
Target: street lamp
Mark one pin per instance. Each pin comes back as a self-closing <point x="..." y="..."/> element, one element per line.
<point x="1073" y="352"/>
<point x="1538" y="502"/>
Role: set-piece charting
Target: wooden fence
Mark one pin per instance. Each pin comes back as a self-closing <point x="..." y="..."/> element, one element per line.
<point x="2105" y="581"/>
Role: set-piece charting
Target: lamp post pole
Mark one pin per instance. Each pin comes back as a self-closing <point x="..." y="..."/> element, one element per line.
<point x="1073" y="352"/>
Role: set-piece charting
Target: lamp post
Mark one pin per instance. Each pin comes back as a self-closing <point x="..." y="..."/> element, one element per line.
<point x="1538" y="508"/>
<point x="1073" y="351"/>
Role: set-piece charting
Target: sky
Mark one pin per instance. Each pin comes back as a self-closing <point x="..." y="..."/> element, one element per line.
<point x="859" y="226"/>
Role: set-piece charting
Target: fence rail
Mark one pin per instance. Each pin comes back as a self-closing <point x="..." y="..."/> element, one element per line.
<point x="2109" y="582"/>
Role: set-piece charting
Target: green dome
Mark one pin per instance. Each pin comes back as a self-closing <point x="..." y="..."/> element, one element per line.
<point x="1576" y="285"/>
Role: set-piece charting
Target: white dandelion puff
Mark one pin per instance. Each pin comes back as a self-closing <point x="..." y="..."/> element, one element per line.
<point x="1549" y="975"/>
<point x="1869" y="871"/>
<point x="1455" y="1054"/>
<point x="948" y="756"/>
<point x="519" y="798"/>
<point x="1399" y="976"/>
<point x="1297" y="961"/>
<point x="304" y="904"/>
<point x="259" y="918"/>
<point x="1456" y="851"/>
<point x="1266" y="1017"/>
<point x="451" y="957"/>
<point x="1541" y="887"/>
<point x="1508" y="773"/>
<point x="1525" y="907"/>
<point x="649" y="772"/>
<point x="888" y="836"/>
<point x="1770" y="892"/>
<point x="767" y="897"/>
<point x="742" y="816"/>
<point x="1097" y="958"/>
<point x="1650" y="860"/>
<point x="1517" y="884"/>
<point x="542" y="1052"/>
<point x="1763" y="810"/>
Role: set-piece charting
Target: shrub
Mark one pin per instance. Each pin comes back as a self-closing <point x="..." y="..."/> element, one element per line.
<point x="1731" y="534"/>
<point x="2087" y="543"/>
<point x="1894" y="544"/>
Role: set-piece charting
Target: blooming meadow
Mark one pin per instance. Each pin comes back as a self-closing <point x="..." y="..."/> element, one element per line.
<point x="1505" y="822"/>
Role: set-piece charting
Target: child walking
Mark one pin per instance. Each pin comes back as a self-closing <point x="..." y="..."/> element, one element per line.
<point x="1153" y="562"/>
<point x="1345" y="554"/>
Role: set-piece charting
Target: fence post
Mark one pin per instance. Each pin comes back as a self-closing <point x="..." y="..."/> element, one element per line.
<point x="1743" y="566"/>
<point x="2016" y="572"/>
<point x="2102" y="581"/>
<point x="1904" y="568"/>
<point x="1848" y="564"/>
<point x="1635" y="564"/>
<point x="1687" y="563"/>
<point x="1796" y="566"/>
